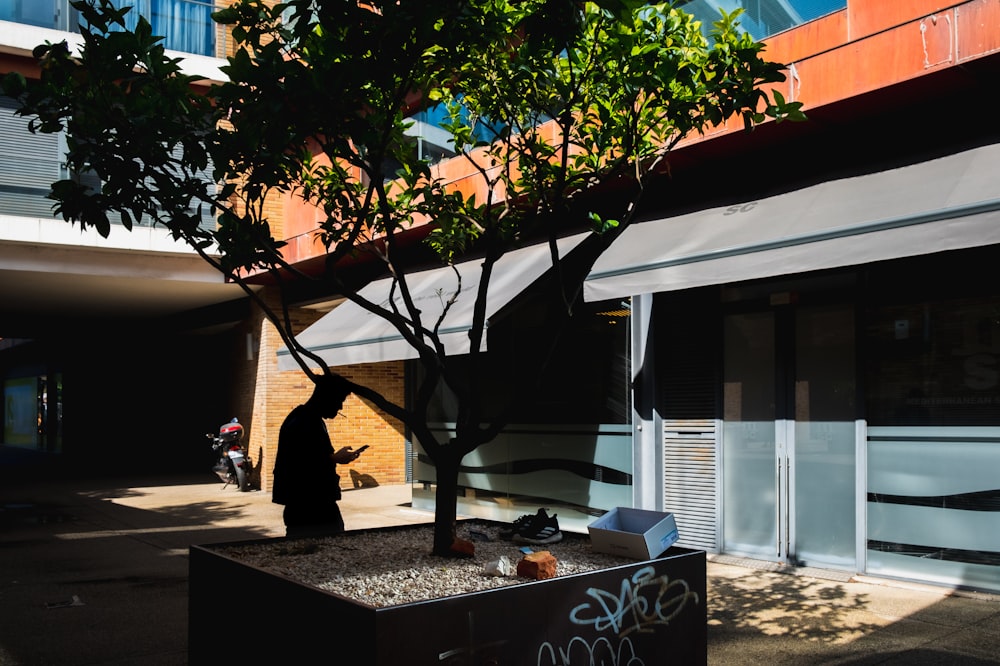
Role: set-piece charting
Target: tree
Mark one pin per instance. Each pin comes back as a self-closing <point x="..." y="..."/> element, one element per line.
<point x="548" y="101"/>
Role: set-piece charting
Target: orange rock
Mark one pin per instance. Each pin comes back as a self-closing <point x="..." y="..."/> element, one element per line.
<point x="463" y="548"/>
<point x="540" y="565"/>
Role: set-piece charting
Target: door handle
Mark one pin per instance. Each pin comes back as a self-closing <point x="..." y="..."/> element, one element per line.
<point x="777" y="509"/>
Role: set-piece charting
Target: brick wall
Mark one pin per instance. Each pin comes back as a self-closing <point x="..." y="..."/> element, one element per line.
<point x="266" y="395"/>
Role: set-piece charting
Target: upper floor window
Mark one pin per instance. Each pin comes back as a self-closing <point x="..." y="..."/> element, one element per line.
<point x="763" y="18"/>
<point x="42" y="13"/>
<point x="434" y="143"/>
<point x="186" y="25"/>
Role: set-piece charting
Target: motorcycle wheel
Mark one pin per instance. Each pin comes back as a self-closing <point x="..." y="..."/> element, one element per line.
<point x="242" y="479"/>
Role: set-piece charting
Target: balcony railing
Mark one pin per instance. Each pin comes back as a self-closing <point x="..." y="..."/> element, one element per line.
<point x="186" y="25"/>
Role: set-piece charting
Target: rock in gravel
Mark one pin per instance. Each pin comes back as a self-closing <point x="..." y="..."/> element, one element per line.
<point x="540" y="565"/>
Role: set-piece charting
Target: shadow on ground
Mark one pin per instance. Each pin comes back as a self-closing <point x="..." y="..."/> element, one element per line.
<point x="769" y="618"/>
<point x="787" y="606"/>
<point x="97" y="573"/>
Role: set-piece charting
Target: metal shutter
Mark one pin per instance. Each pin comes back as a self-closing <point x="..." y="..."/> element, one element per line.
<point x="690" y="480"/>
<point x="687" y="339"/>
<point x="207" y="217"/>
<point x="29" y="164"/>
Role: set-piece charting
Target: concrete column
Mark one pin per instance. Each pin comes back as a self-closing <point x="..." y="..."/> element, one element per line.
<point x="647" y="463"/>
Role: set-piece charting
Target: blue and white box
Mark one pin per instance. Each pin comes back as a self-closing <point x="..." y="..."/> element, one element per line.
<point x="637" y="533"/>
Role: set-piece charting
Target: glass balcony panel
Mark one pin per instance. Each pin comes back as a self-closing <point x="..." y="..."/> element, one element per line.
<point x="41" y="13"/>
<point x="434" y="143"/>
<point x="186" y="25"/>
<point x="763" y="18"/>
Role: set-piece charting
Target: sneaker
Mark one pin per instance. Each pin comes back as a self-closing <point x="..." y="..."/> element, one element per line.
<point x="518" y="524"/>
<point x="540" y="530"/>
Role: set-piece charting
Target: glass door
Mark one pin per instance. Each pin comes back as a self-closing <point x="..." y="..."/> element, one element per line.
<point x="788" y="471"/>
<point x="750" y="507"/>
<point x="823" y="469"/>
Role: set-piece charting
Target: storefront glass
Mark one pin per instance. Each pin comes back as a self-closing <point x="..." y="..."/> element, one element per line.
<point x="569" y="445"/>
<point x="33" y="413"/>
<point x="789" y="435"/>
<point x="825" y="438"/>
<point x="934" y="440"/>
<point x="749" y="451"/>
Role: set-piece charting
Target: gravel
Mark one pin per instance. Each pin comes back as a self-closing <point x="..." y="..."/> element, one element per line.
<point x="394" y="566"/>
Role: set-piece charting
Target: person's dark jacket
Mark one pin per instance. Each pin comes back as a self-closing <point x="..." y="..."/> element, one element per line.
<point x="304" y="470"/>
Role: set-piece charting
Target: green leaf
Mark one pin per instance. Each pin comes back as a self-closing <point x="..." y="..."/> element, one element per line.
<point x="601" y="225"/>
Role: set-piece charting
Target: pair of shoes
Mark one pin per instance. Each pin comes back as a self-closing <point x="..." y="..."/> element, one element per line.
<point x="539" y="529"/>
<point x="516" y="526"/>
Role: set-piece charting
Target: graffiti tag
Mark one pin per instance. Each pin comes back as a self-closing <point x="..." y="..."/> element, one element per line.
<point x="578" y="651"/>
<point x="642" y="602"/>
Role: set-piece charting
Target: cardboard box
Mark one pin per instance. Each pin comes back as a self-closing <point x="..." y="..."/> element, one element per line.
<point x="637" y="533"/>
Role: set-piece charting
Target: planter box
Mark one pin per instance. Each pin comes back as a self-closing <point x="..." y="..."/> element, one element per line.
<point x="650" y="612"/>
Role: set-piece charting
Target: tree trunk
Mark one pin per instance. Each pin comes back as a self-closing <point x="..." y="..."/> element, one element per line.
<point x="445" y="502"/>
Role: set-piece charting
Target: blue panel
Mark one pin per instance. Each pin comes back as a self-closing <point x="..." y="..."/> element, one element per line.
<point x="31" y="12"/>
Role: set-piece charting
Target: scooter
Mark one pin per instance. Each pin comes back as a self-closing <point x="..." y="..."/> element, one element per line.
<point x="234" y="465"/>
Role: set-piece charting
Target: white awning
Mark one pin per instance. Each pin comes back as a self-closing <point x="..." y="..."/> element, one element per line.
<point x="948" y="203"/>
<point x="350" y="334"/>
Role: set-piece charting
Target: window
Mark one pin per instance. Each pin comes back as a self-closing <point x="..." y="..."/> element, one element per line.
<point x="569" y="444"/>
<point x="186" y="25"/>
<point x="434" y="143"/>
<point x="33" y="412"/>
<point x="41" y="13"/>
<point x="935" y="363"/>
<point x="586" y="381"/>
<point x="763" y="18"/>
<point x="933" y="342"/>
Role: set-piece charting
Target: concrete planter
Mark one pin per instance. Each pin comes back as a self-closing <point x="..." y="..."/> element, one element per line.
<point x="650" y="612"/>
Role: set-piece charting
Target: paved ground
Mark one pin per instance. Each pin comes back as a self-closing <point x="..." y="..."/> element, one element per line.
<point x="772" y="618"/>
<point x="95" y="574"/>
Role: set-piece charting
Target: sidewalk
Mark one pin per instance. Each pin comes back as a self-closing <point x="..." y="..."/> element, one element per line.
<point x="95" y="573"/>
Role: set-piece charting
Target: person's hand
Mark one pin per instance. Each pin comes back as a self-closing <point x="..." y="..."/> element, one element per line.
<point x="345" y="455"/>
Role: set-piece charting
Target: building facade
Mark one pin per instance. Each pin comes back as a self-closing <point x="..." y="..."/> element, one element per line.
<point x="795" y="349"/>
<point x="808" y="373"/>
<point x="817" y="344"/>
<point x="101" y="337"/>
<point x="108" y="345"/>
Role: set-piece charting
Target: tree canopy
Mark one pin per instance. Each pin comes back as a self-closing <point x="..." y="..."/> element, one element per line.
<point x="545" y="101"/>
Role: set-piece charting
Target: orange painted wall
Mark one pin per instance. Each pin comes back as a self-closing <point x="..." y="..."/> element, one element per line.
<point x="869" y="17"/>
<point x="817" y="36"/>
<point x="886" y="47"/>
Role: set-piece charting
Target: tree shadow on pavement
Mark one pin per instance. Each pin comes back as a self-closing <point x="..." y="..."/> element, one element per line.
<point x="760" y="617"/>
<point x="792" y="610"/>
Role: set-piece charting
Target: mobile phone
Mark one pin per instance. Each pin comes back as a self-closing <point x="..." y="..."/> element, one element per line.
<point x="357" y="451"/>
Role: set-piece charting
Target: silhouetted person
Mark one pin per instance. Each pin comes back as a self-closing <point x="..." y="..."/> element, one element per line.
<point x="305" y="467"/>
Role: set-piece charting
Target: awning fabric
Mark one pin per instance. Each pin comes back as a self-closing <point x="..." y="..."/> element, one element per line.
<point x="350" y="334"/>
<point x="947" y="203"/>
